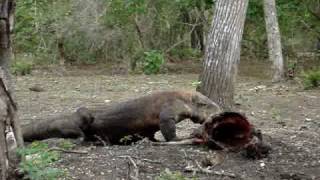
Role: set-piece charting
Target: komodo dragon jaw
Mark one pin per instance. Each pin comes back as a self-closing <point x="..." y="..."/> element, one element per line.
<point x="205" y="106"/>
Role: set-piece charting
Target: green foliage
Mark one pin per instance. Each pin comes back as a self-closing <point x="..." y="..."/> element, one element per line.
<point x="100" y="31"/>
<point x="298" y="25"/>
<point x="66" y="144"/>
<point x="168" y="175"/>
<point x="22" y="66"/>
<point x="123" y="13"/>
<point x="37" y="25"/>
<point x="311" y="79"/>
<point x="153" y="61"/>
<point x="126" y="139"/>
<point x="37" y="162"/>
<point x="196" y="83"/>
<point x="185" y="53"/>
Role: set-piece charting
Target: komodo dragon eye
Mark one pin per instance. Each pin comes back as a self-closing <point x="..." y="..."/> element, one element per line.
<point x="201" y="104"/>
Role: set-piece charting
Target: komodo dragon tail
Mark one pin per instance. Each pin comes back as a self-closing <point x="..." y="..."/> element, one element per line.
<point x="62" y="126"/>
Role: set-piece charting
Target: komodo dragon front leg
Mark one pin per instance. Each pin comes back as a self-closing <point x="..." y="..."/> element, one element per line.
<point x="174" y="113"/>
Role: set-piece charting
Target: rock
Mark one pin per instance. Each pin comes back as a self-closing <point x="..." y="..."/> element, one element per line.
<point x="36" y="88"/>
<point x="303" y="127"/>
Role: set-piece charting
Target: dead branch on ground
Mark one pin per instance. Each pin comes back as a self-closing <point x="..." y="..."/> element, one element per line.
<point x="136" y="169"/>
<point x="208" y="171"/>
<point x="67" y="151"/>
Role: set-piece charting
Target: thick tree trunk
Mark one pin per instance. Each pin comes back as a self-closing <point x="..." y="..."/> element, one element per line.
<point x="222" y="53"/>
<point x="10" y="132"/>
<point x="8" y="142"/>
<point x="7" y="9"/>
<point x="274" y="39"/>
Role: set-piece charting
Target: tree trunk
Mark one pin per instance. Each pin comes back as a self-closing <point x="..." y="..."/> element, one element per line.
<point x="10" y="132"/>
<point x="197" y="38"/>
<point x="274" y="39"/>
<point x="197" y="35"/>
<point x="222" y="53"/>
<point x="8" y="140"/>
<point x="62" y="58"/>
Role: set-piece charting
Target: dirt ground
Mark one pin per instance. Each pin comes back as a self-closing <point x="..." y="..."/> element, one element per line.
<point x="288" y="116"/>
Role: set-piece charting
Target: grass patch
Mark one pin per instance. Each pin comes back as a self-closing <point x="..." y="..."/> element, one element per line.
<point x="37" y="162"/>
<point x="311" y="79"/>
<point x="22" y="65"/>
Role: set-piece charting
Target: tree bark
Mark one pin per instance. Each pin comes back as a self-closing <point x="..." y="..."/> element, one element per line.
<point x="62" y="58"/>
<point x="7" y="144"/>
<point x="7" y="9"/>
<point x="10" y="132"/>
<point x="274" y="39"/>
<point x="197" y="35"/>
<point x="222" y="53"/>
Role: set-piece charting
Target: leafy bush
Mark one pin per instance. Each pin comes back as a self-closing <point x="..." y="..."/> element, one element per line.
<point x="21" y="68"/>
<point x="311" y="79"/>
<point x="153" y="62"/>
<point x="37" y="162"/>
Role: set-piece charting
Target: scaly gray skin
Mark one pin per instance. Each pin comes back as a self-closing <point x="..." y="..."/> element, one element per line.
<point x="143" y="116"/>
<point x="63" y="126"/>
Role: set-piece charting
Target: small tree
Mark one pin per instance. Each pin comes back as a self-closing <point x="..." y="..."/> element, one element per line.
<point x="274" y="39"/>
<point x="222" y="53"/>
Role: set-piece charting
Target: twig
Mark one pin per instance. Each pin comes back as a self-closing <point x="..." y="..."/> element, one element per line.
<point x="136" y="169"/>
<point x="101" y="140"/>
<point x="185" y="153"/>
<point x="309" y="27"/>
<point x="220" y="145"/>
<point x="183" y="40"/>
<point x="208" y="171"/>
<point x="139" y="32"/>
<point x="151" y="161"/>
<point x="128" y="171"/>
<point x="67" y="151"/>
<point x="146" y="160"/>
<point x="181" y="142"/>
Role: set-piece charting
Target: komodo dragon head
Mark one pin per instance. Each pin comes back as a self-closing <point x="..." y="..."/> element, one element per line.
<point x="85" y="117"/>
<point x="204" y="105"/>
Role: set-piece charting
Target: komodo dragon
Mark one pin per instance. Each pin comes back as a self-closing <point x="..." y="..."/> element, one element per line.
<point x="143" y="116"/>
<point x="63" y="126"/>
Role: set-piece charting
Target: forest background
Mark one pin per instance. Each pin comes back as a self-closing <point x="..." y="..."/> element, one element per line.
<point x="144" y="35"/>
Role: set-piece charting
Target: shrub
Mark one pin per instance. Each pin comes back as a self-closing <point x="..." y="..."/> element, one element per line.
<point x="37" y="163"/>
<point x="311" y="79"/>
<point x="153" y="61"/>
<point x="21" y="68"/>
